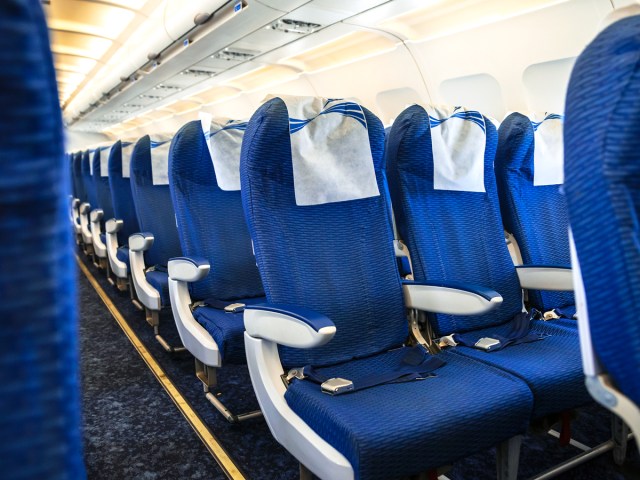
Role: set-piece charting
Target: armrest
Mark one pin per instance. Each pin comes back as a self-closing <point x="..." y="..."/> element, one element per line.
<point x="75" y="203"/>
<point x="188" y="269"/>
<point x="141" y="242"/>
<point x="113" y="225"/>
<point x="288" y="325"/>
<point x="96" y="215"/>
<point x="545" y="277"/>
<point x="85" y="208"/>
<point x="450" y="297"/>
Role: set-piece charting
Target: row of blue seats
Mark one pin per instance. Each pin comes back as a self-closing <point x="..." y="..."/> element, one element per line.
<point x="273" y="243"/>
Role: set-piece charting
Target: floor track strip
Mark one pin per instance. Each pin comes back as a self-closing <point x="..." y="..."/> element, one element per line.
<point x="212" y="444"/>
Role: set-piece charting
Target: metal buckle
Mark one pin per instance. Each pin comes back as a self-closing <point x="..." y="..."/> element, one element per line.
<point x="295" y="373"/>
<point x="550" y="315"/>
<point x="336" y="386"/>
<point x="195" y="305"/>
<point x="485" y="343"/>
<point x="234" y="308"/>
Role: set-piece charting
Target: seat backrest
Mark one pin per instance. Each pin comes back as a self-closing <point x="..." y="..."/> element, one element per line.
<point x="77" y="177"/>
<point x="210" y="220"/>
<point x="336" y="258"/>
<point x="533" y="208"/>
<point x="101" y="181"/>
<point x="119" y="182"/>
<point x="152" y="198"/>
<point x="87" y="179"/>
<point x="40" y="423"/>
<point x="602" y="168"/>
<point x="452" y="235"/>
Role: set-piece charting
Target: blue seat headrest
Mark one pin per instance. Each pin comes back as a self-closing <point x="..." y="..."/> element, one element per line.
<point x="101" y="181"/>
<point x="123" y="207"/>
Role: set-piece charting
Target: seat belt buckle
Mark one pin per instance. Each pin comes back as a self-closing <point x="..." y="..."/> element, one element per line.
<point x="485" y="343"/>
<point x="550" y="315"/>
<point x="295" y="373"/>
<point x="234" y="308"/>
<point x="337" y="386"/>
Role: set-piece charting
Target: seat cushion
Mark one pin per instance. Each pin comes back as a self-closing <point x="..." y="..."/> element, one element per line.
<point x="448" y="418"/>
<point x="226" y="328"/>
<point x="160" y="281"/>
<point x="122" y="254"/>
<point x="551" y="367"/>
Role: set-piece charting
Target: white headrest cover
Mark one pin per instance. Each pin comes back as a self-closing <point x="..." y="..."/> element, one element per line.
<point x="224" y="140"/>
<point x="91" y="154"/>
<point x="160" y="145"/>
<point x="330" y="150"/>
<point x="548" y="154"/>
<point x="127" y="150"/>
<point x="458" y="140"/>
<point x="104" y="161"/>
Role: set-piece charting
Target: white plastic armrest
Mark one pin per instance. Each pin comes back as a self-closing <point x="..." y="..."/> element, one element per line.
<point x="544" y="277"/>
<point x="85" y="208"/>
<point x="96" y="229"/>
<point x="288" y="325"/>
<point x="195" y="338"/>
<point x="450" y="298"/>
<point x="112" y="227"/>
<point x="147" y="294"/>
<point x="75" y="215"/>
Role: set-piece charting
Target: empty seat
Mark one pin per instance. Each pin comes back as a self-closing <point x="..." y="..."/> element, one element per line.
<point x="103" y="209"/>
<point x="335" y="302"/>
<point x="446" y="208"/>
<point x="602" y="160"/>
<point x="40" y="422"/>
<point x="151" y="249"/>
<point x="125" y="221"/>
<point x="214" y="239"/>
<point x="529" y="173"/>
<point x="90" y="199"/>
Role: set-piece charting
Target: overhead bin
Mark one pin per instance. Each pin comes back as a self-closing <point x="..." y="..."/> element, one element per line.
<point x="179" y="15"/>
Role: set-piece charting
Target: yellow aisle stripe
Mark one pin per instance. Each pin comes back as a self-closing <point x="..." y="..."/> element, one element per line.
<point x="219" y="454"/>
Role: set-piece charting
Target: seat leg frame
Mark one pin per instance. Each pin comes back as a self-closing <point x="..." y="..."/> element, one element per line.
<point x="209" y="378"/>
<point x="153" y="318"/>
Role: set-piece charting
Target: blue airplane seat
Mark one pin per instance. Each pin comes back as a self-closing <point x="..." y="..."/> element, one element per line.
<point x="214" y="238"/>
<point x="40" y="409"/>
<point x="533" y="208"/>
<point x="211" y="225"/>
<point x="455" y="233"/>
<point x="335" y="303"/>
<point x="602" y="188"/>
<point x="103" y="209"/>
<point x="151" y="249"/>
<point x="90" y="200"/>
<point x="125" y="222"/>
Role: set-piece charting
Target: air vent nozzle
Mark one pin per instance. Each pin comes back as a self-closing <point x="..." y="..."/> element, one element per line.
<point x="288" y="25"/>
<point x="235" y="54"/>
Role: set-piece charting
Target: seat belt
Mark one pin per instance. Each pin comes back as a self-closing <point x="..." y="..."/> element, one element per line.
<point x="157" y="268"/>
<point x="416" y="364"/>
<point x="556" y="313"/>
<point x="518" y="333"/>
<point x="219" y="305"/>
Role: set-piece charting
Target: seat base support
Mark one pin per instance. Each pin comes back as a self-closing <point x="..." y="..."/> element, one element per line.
<point x="208" y="376"/>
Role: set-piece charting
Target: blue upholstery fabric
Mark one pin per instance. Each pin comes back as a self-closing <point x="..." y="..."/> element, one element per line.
<point x="160" y="281"/>
<point x="39" y="379"/>
<point x="338" y="259"/>
<point x="458" y="236"/>
<point x="227" y="329"/>
<point x="123" y="207"/>
<point x="551" y="367"/>
<point x="77" y="177"/>
<point x="87" y="179"/>
<point x="123" y="254"/>
<point x="602" y="184"/>
<point x="536" y="216"/>
<point x="103" y="192"/>
<point x="153" y="207"/>
<point x="210" y="221"/>
<point x="302" y="254"/>
<point x="383" y="438"/>
<point x="452" y="235"/>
